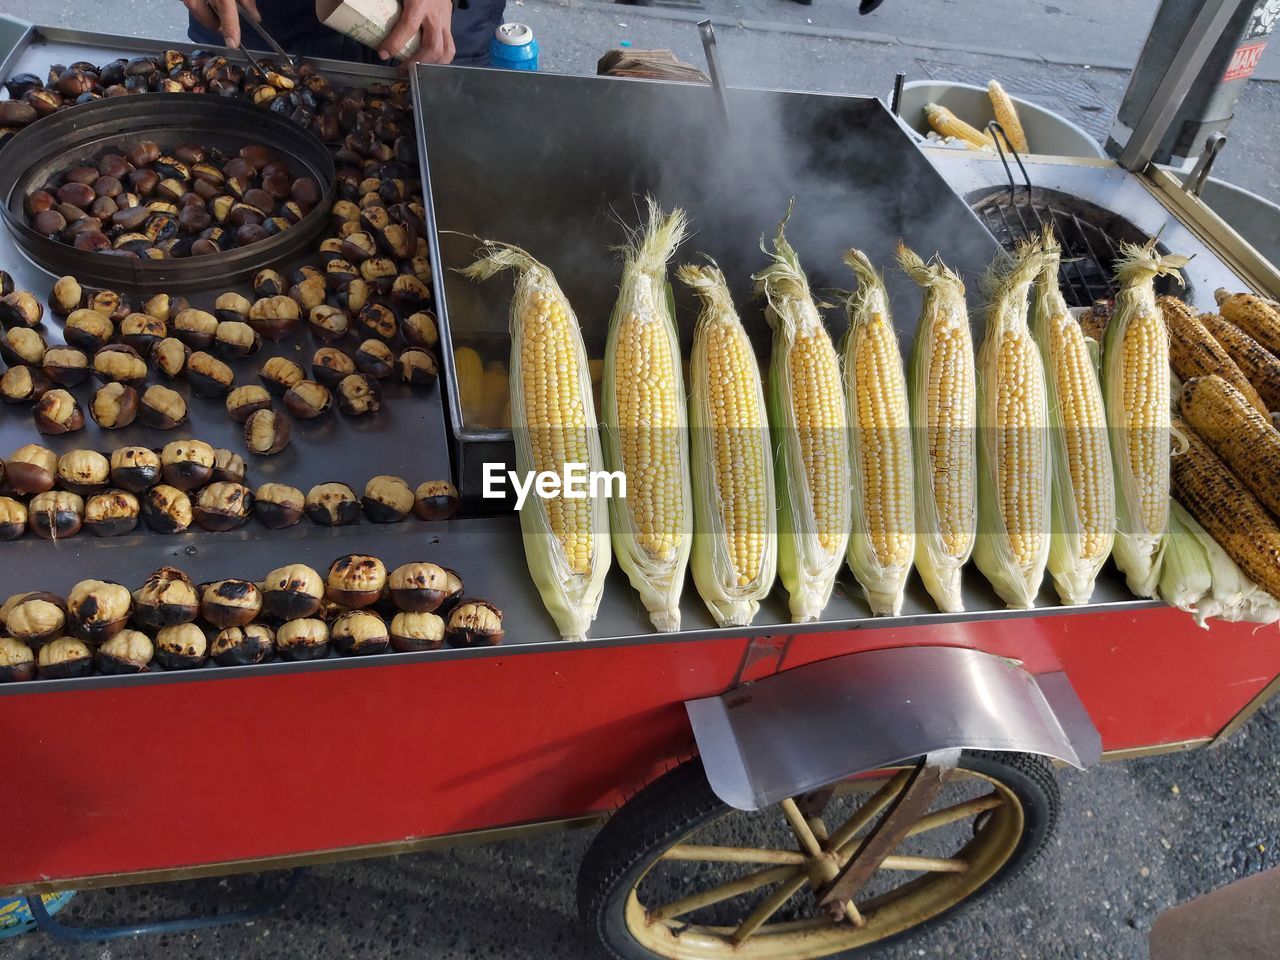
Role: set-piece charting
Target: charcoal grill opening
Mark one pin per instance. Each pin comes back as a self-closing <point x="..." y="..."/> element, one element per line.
<point x="1090" y="236"/>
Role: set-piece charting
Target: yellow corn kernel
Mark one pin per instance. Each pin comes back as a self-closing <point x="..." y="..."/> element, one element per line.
<point x="468" y="371"/>
<point x="948" y="124"/>
<point x="1007" y="116"/>
<point x="1253" y="315"/>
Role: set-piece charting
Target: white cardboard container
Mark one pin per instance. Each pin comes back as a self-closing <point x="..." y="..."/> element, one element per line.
<point x="365" y="21"/>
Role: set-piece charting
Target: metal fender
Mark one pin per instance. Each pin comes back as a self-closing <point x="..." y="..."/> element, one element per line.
<point x="808" y="727"/>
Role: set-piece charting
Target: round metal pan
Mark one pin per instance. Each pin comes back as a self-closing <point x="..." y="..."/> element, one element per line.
<point x="116" y="124"/>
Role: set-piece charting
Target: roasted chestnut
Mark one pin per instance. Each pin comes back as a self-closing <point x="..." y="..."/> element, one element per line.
<point x="266" y="432"/>
<point x="166" y="509"/>
<point x="118" y="363"/>
<point x="409" y="295"/>
<point x="306" y="639"/>
<point x="35" y="618"/>
<point x="187" y="464"/>
<point x="98" y="609"/>
<point x="377" y="320"/>
<point x="355" y="580"/>
<point x="83" y="472"/>
<point x="17" y="662"/>
<point x="242" y="646"/>
<point x="358" y="395"/>
<point x="57" y="412"/>
<point x="170" y="357"/>
<point x="268" y="283"/>
<point x="436" y="500"/>
<point x="22" y="345"/>
<point x="275" y="317"/>
<point x="307" y="399"/>
<point x="168" y="597"/>
<point x="412" y="632"/>
<point x="114" y="406"/>
<point x="142" y="332"/>
<point x="129" y="651"/>
<point x="332" y="505"/>
<point x="387" y="499"/>
<point x="22" y="385"/>
<point x="13" y="518"/>
<point x="419" y="329"/>
<point x="244" y="401"/>
<point x="375" y="358"/>
<point x="474" y="623"/>
<point x="292" y="592"/>
<point x="278" y="374"/>
<point x="134" y="468"/>
<point x="454" y="594"/>
<point x="20" y="309"/>
<point x="164" y="307"/>
<point x="55" y="514"/>
<point x="208" y="376"/>
<point x="330" y="365"/>
<point x="63" y="659"/>
<point x="358" y="633"/>
<point x="32" y="469"/>
<point x="418" y="587"/>
<point x="182" y="646"/>
<point x="418" y="367"/>
<point x="111" y="513"/>
<point x="328" y="323"/>
<point x="161" y="408"/>
<point x="88" y="330"/>
<point x="65" y="366"/>
<point x="223" y="506"/>
<point x="228" y="466"/>
<point x="195" y="328"/>
<point x="230" y="603"/>
<point x="277" y="505"/>
<point x="236" y="338"/>
<point x="110" y="304"/>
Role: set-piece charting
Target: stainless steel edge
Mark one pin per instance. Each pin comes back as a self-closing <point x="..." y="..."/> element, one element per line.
<point x="15" y="37"/>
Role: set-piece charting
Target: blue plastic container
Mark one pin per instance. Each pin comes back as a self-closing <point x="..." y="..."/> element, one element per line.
<point x="513" y="48"/>
<point x="15" y="915"/>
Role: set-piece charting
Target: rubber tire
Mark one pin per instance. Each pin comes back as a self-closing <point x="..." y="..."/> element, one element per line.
<point x="681" y="801"/>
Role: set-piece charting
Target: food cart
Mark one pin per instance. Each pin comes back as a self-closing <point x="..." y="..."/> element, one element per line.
<point x="778" y="790"/>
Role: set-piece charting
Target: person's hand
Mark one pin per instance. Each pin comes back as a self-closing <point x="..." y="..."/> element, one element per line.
<point x="430" y="18"/>
<point x="222" y="15"/>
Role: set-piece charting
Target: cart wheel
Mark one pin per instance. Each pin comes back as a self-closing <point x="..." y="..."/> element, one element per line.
<point x="677" y="873"/>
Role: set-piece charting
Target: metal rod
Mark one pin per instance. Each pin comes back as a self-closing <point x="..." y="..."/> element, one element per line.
<point x="708" y="35"/>
<point x="1200" y="172"/>
<point x="261" y="31"/>
<point x="895" y="102"/>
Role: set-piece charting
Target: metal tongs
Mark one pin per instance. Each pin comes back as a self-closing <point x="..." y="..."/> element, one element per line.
<point x="289" y="62"/>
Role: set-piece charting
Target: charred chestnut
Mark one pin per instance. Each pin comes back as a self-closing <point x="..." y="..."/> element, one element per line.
<point x="65" y="366"/>
<point x="58" y="412"/>
<point x="418" y="368"/>
<point x="418" y="587"/>
<point x="35" y="618"/>
<point x="307" y="399"/>
<point x="135" y="468"/>
<point x="166" y="509"/>
<point x="268" y="283"/>
<point x="22" y="345"/>
<point x="98" y="609"/>
<point x="330" y="365"/>
<point x="387" y="499"/>
<point x="55" y="514"/>
<point x="63" y="659"/>
<point x="358" y="395"/>
<point x="375" y="358"/>
<point x="114" y="406"/>
<point x="22" y="385"/>
<point x="17" y="662"/>
<point x="306" y="639"/>
<point x="243" y="401"/>
<point x="32" y="469"/>
<point x="277" y="505"/>
<point x="13" y="518"/>
<point x="359" y="633"/>
<point x="110" y="304"/>
<point x="332" y="505"/>
<point x="208" y="376"/>
<point x="111" y="513"/>
<point x="228" y="466"/>
<point x="474" y="623"/>
<point x="230" y="603"/>
<point x="161" y="408"/>
<point x="88" y="330"/>
<point x="129" y="651"/>
<point x="182" y="646"/>
<point x="278" y="374"/>
<point x="168" y="597"/>
<point x="170" y="357"/>
<point x="328" y="323"/>
<point x="436" y="500"/>
<point x="266" y="433"/>
<point x="419" y="329"/>
<point x="223" y="506"/>
<point x="195" y="328"/>
<point x="275" y="317"/>
<point x="237" y="339"/>
<point x="242" y="646"/>
<point x="142" y="332"/>
<point x="20" y="309"/>
<point x="187" y="464"/>
<point x="292" y="592"/>
<point x="164" y="307"/>
<point x="409" y="294"/>
<point x="118" y="363"/>
<point x="454" y="594"/>
<point x="83" y="472"/>
<point x="355" y="580"/>
<point x="377" y="320"/>
<point x="412" y="632"/>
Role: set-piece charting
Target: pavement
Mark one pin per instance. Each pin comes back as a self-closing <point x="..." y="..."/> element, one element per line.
<point x="1135" y="837"/>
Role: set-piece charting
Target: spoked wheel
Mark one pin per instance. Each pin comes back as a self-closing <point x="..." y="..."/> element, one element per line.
<point x="679" y="874"/>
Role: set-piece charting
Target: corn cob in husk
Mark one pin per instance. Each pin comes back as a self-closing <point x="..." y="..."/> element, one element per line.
<point x="1233" y="597"/>
<point x="566" y="539"/>
<point x="1186" y="574"/>
<point x="645" y="431"/>
<point x="810" y="431"/>
<point x="735" y="541"/>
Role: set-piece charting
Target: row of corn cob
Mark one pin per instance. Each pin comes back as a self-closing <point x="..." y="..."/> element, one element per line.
<point x="947" y="125"/>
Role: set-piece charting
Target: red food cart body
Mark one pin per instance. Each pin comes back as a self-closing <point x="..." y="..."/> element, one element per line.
<point x="170" y="779"/>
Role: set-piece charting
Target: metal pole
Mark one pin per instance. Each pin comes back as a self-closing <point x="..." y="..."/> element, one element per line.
<point x="708" y="34"/>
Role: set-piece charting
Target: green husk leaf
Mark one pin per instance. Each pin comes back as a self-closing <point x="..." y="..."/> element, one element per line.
<point x="1186" y="575"/>
<point x="1233" y="596"/>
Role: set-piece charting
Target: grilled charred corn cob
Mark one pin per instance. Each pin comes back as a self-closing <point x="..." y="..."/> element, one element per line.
<point x="1254" y="361"/>
<point x="735" y="543"/>
<point x="1242" y="438"/>
<point x="1227" y="510"/>
<point x="1193" y="352"/>
<point x="645" y="432"/>
<point x="1007" y="116"/>
<point x="881" y="540"/>
<point x="1093" y="322"/>
<point x="1084" y="502"/>
<point x="811" y="432"/>
<point x="1135" y="388"/>
<point x="1013" y="441"/>
<point x="948" y="124"/>
<point x="566" y="538"/>
<point x="1254" y="315"/>
<point x="943" y="419"/>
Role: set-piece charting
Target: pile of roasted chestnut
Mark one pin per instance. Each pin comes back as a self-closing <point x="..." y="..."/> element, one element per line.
<point x="171" y="623"/>
<point x="187" y="482"/>
<point x="186" y="201"/>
